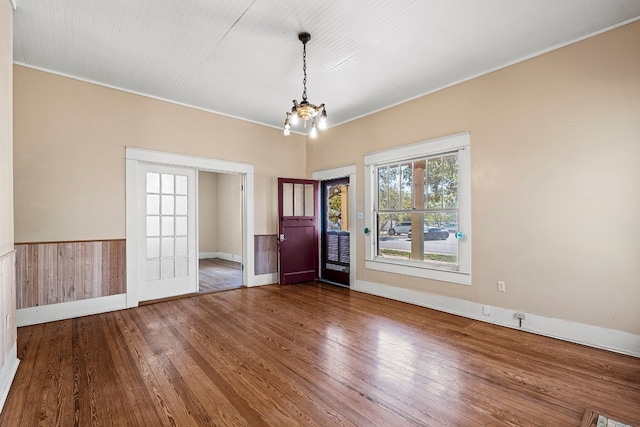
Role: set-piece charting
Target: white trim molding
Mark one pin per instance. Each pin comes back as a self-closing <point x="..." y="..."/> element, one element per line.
<point x="580" y="333"/>
<point x="265" y="279"/>
<point x="222" y="255"/>
<point x="8" y="372"/>
<point x="69" y="310"/>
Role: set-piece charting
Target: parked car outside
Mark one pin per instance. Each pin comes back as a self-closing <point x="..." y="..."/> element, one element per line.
<point x="403" y="227"/>
<point x="434" y="233"/>
<point x="452" y="227"/>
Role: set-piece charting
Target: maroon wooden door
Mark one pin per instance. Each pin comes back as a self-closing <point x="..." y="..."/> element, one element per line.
<point x="298" y="230"/>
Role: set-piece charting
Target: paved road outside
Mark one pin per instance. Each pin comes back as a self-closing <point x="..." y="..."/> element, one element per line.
<point x="403" y="242"/>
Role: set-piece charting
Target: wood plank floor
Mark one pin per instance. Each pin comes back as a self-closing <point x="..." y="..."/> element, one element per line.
<point x="310" y="355"/>
<point x="219" y="275"/>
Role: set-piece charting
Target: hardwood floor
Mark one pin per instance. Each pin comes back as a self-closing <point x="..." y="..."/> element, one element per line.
<point x="219" y="275"/>
<point x="307" y="354"/>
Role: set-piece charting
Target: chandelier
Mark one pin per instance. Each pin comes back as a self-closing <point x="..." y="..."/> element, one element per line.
<point x="305" y="110"/>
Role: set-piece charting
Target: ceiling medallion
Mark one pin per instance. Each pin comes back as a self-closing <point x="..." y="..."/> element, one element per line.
<point x="305" y="110"/>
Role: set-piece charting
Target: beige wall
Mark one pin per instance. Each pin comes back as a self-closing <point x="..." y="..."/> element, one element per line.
<point x="555" y="143"/>
<point x="555" y="186"/>
<point x="207" y="211"/>
<point x="220" y="213"/>
<point x="230" y="214"/>
<point x="70" y="139"/>
<point x="6" y="129"/>
<point x="7" y="260"/>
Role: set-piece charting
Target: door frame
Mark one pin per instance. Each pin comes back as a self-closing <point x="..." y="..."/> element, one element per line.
<point x="135" y="156"/>
<point x="344" y="172"/>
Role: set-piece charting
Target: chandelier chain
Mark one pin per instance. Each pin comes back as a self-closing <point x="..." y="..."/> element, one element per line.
<point x="304" y="69"/>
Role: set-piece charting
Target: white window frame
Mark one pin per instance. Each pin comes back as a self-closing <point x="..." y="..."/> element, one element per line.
<point x="458" y="142"/>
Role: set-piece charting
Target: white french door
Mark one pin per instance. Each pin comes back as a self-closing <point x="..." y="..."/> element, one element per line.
<point x="167" y="257"/>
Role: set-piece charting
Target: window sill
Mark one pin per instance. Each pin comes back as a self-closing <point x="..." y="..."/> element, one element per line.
<point x="416" y="271"/>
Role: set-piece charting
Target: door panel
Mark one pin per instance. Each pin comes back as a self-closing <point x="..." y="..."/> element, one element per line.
<point x="166" y="206"/>
<point x="298" y="230"/>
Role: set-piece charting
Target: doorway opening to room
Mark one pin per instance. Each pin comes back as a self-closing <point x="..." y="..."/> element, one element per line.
<point x="220" y="236"/>
<point x="162" y="238"/>
<point x="335" y="237"/>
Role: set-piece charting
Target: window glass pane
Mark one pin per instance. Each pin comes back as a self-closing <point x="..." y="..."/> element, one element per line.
<point x="167" y="184"/>
<point x="153" y="247"/>
<point x="383" y="188"/>
<point x="168" y="247"/>
<point x="440" y="247"/>
<point x="434" y="183"/>
<point x="181" y="226"/>
<point x="181" y="184"/>
<point x="450" y="181"/>
<point x="168" y="226"/>
<point x="181" y="247"/>
<point x="153" y="204"/>
<point x="309" y="202"/>
<point x="153" y="226"/>
<point x="168" y="269"/>
<point x="182" y="267"/>
<point x="406" y="181"/>
<point x="384" y="223"/>
<point x="287" y="199"/>
<point x="153" y="269"/>
<point x="394" y="187"/>
<point x="181" y="205"/>
<point x="153" y="182"/>
<point x="444" y="219"/>
<point x="334" y="204"/>
<point x="298" y="200"/>
<point x="167" y="206"/>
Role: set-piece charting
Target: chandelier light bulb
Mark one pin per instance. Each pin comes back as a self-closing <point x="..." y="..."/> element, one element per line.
<point x="323" y="120"/>
<point x="286" y="132"/>
<point x="294" y="118"/>
<point x="314" y="131"/>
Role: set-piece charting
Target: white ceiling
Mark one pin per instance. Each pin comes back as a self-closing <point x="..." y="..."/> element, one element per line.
<point x="242" y="58"/>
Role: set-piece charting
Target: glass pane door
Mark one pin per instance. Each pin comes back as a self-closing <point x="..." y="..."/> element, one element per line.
<point x="168" y="240"/>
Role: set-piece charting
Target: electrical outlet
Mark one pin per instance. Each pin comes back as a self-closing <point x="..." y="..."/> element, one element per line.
<point x="486" y="310"/>
<point x="501" y="286"/>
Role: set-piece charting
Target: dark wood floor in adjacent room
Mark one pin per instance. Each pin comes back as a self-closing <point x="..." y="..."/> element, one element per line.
<point x="308" y="354"/>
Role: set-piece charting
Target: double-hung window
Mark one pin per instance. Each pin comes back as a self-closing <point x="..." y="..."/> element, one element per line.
<point x="418" y="210"/>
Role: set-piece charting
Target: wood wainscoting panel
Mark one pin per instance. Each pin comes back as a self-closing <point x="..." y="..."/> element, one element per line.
<point x="51" y="273"/>
<point x="266" y="253"/>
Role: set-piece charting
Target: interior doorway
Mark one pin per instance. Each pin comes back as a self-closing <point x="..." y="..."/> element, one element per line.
<point x="335" y="237"/>
<point x="219" y="231"/>
<point x="138" y="225"/>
